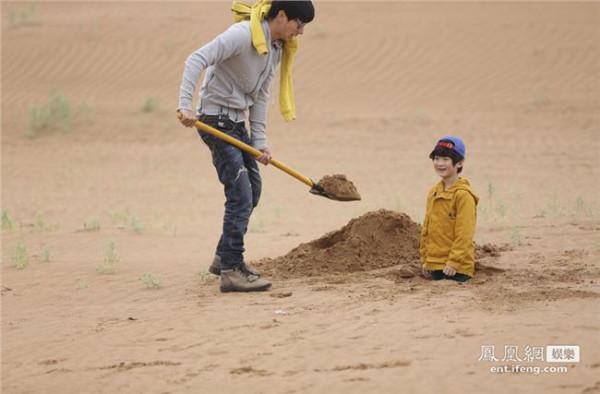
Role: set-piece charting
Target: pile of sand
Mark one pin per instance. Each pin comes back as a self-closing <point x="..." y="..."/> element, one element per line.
<point x="377" y="239"/>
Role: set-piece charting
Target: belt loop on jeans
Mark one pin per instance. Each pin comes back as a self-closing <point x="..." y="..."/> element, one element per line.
<point x="221" y="112"/>
<point x="233" y="114"/>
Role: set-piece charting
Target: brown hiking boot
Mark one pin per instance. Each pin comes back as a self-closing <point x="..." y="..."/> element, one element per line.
<point x="238" y="280"/>
<point x="215" y="267"/>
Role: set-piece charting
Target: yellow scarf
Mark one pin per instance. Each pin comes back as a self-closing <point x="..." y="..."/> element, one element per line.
<point x="256" y="13"/>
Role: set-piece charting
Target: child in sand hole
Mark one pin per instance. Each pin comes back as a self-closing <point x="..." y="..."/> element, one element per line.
<point x="447" y="248"/>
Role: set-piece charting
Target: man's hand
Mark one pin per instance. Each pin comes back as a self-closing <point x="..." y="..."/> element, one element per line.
<point x="187" y="118"/>
<point x="266" y="156"/>
<point x="449" y="271"/>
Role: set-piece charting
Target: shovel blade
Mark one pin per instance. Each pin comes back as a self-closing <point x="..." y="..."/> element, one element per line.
<point x="320" y="191"/>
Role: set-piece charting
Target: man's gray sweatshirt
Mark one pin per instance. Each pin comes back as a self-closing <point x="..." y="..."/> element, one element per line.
<point x="237" y="78"/>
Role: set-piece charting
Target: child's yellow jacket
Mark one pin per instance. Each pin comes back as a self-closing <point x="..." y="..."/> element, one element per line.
<point x="449" y="228"/>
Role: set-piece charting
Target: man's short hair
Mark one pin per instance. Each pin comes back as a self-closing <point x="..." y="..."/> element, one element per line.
<point x="302" y="10"/>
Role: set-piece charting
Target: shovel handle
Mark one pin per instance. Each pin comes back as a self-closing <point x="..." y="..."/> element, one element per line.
<point x="248" y="149"/>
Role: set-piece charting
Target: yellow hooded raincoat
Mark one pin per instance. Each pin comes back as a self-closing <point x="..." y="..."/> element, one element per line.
<point x="449" y="228"/>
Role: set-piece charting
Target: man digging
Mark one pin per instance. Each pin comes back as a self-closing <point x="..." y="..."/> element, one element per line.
<point x="240" y="64"/>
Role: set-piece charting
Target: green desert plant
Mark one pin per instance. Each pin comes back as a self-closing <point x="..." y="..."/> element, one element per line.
<point x="45" y="255"/>
<point x="486" y="208"/>
<point x="205" y="276"/>
<point x="22" y="16"/>
<point x="501" y="209"/>
<point x="7" y="222"/>
<point x="257" y="224"/>
<point x="19" y="258"/>
<point x="263" y="218"/>
<point x="136" y="225"/>
<point x="496" y="208"/>
<point x="554" y="208"/>
<point x="515" y="236"/>
<point x="120" y="218"/>
<point x="491" y="189"/>
<point x="41" y="225"/>
<point x="583" y="208"/>
<point x="150" y="105"/>
<point x="56" y="114"/>
<point x="110" y="261"/>
<point x="150" y="282"/>
<point x="92" y="224"/>
<point x="81" y="284"/>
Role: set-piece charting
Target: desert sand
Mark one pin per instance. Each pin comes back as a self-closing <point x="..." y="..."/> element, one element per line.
<point x="111" y="213"/>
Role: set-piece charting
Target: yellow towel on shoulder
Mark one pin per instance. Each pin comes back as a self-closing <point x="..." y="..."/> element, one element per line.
<point x="256" y="14"/>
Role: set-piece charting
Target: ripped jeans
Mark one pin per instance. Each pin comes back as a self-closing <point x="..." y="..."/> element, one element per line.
<point x="239" y="174"/>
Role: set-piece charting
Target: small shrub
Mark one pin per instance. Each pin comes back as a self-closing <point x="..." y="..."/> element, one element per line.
<point x="22" y="16"/>
<point x="91" y="225"/>
<point x="582" y="208"/>
<point x="257" y="224"/>
<point x="150" y="282"/>
<point x="501" y="209"/>
<point x="41" y="225"/>
<point x="554" y="208"/>
<point x="111" y="259"/>
<point x="205" y="276"/>
<point x="45" y="255"/>
<point x="515" y="236"/>
<point x="81" y="284"/>
<point x="136" y="225"/>
<point x="7" y="222"/>
<point x="491" y="189"/>
<point x="149" y="105"/>
<point x="20" y="259"/>
<point x="120" y="218"/>
<point x="55" y="115"/>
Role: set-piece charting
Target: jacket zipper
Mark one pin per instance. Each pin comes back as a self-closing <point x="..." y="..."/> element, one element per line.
<point x="263" y="71"/>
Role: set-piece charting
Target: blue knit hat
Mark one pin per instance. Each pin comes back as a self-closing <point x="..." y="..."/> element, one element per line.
<point x="453" y="143"/>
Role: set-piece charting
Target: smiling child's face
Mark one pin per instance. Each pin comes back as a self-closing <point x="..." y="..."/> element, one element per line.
<point x="444" y="168"/>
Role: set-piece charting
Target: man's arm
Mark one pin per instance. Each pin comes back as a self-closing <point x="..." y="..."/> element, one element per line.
<point x="227" y="44"/>
<point x="258" y="119"/>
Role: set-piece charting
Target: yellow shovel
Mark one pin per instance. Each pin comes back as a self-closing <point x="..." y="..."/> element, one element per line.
<point x="315" y="188"/>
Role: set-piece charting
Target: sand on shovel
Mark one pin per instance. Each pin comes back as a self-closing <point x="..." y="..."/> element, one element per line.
<point x="339" y="187"/>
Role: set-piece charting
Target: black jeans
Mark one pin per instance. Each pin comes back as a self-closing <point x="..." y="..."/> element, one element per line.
<point x="439" y="275"/>
<point x="239" y="174"/>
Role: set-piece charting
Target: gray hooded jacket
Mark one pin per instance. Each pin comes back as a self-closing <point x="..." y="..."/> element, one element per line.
<point x="237" y="78"/>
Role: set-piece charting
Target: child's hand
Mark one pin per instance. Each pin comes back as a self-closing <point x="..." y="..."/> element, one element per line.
<point x="449" y="271"/>
<point x="426" y="272"/>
